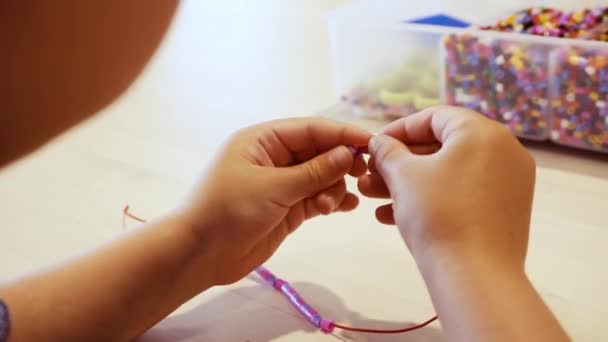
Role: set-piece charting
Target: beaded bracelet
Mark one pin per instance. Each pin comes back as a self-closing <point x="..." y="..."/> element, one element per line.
<point x="5" y="323"/>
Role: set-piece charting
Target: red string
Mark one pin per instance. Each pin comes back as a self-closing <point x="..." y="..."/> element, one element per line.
<point x="126" y="212"/>
<point x="381" y="331"/>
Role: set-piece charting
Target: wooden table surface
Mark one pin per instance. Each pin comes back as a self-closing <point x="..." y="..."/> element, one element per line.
<point x="224" y="65"/>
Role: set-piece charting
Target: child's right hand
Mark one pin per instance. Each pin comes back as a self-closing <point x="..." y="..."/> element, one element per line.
<point x="468" y="200"/>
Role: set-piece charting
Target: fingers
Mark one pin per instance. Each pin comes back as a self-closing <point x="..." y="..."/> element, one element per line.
<point x="350" y="202"/>
<point x="359" y="167"/>
<point x="434" y="124"/>
<point x="305" y="138"/>
<point x="314" y="176"/>
<point x="373" y="186"/>
<point x="412" y="129"/>
<point x="371" y="164"/>
<point x="331" y="199"/>
<point x="425" y="149"/>
<point x="334" y="199"/>
<point x="389" y="154"/>
<point x="385" y="215"/>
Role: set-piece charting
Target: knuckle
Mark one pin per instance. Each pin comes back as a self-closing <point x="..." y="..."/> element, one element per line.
<point x="497" y="135"/>
<point x="317" y="122"/>
<point x="457" y="112"/>
<point x="465" y="118"/>
<point x="467" y="123"/>
<point x="314" y="172"/>
<point x="467" y="127"/>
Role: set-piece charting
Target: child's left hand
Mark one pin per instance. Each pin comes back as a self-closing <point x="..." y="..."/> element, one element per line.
<point x="264" y="183"/>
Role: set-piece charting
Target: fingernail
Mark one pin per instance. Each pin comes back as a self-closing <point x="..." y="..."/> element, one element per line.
<point x="375" y="142"/>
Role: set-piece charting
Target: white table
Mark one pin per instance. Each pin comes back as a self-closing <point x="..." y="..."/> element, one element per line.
<point x="224" y="65"/>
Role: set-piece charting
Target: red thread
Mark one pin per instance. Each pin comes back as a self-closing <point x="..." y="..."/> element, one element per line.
<point x="126" y="212"/>
<point x="361" y="148"/>
<point x="381" y="331"/>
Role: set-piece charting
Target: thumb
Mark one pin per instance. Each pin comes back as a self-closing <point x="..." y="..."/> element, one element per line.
<point x="389" y="154"/>
<point x="311" y="177"/>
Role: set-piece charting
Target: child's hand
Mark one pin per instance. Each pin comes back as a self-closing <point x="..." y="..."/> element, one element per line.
<point x="469" y="199"/>
<point x="265" y="182"/>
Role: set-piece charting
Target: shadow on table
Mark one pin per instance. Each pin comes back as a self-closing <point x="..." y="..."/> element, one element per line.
<point x="550" y="155"/>
<point x="236" y="316"/>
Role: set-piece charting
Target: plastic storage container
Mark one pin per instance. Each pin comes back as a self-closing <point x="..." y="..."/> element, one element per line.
<point x="396" y="81"/>
<point x="540" y="87"/>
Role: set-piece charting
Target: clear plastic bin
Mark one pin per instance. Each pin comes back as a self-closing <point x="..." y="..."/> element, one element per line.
<point x="540" y="87"/>
<point x="386" y="74"/>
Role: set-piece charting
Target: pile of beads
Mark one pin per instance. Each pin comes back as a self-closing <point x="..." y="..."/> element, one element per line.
<point x="553" y="22"/>
<point x="467" y="60"/>
<point x="413" y="87"/>
<point x="580" y="101"/>
<point x="505" y="80"/>
<point x="519" y="74"/>
<point x="539" y="90"/>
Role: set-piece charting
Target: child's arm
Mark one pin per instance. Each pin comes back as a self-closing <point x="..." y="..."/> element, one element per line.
<point x="480" y="300"/>
<point x="464" y="211"/>
<point x="265" y="182"/>
<point x="114" y="293"/>
<point x="62" y="61"/>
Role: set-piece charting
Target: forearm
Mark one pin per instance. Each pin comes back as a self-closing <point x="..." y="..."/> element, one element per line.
<point x="114" y="293"/>
<point x="476" y="301"/>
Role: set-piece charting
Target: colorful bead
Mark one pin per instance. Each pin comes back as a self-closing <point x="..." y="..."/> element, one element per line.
<point x="584" y="122"/>
<point x="586" y="23"/>
<point x="467" y="79"/>
<point x="296" y="300"/>
<point x="524" y="81"/>
<point x="513" y="81"/>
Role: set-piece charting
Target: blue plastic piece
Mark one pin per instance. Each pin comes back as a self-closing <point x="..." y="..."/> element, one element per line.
<point x="440" y="20"/>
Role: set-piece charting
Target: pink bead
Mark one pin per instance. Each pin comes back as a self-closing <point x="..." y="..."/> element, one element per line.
<point x="327" y="326"/>
<point x="278" y="283"/>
